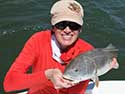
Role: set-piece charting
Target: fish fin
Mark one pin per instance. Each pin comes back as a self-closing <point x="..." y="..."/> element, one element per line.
<point x="110" y="47"/>
<point x="96" y="80"/>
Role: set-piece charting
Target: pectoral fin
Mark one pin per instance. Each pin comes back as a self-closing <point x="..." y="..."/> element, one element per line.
<point x="96" y="80"/>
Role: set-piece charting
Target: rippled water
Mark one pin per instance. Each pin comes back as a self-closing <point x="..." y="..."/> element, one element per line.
<point x="104" y="23"/>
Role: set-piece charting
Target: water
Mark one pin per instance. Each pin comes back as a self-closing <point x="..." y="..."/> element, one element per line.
<point x="104" y="23"/>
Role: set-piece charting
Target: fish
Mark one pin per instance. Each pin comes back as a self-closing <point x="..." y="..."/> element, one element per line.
<point x="91" y="64"/>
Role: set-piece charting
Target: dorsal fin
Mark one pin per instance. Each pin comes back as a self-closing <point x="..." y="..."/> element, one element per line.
<point x="110" y="47"/>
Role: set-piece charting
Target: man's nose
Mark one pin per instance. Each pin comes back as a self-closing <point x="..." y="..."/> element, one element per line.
<point x="67" y="30"/>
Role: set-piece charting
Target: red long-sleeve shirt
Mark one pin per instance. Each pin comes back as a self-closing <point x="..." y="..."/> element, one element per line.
<point x="37" y="53"/>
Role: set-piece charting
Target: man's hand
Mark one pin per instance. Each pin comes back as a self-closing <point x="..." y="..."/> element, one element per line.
<point x="115" y="64"/>
<point x="55" y="75"/>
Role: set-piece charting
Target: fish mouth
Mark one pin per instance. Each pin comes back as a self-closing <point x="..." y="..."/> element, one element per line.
<point x="70" y="79"/>
<point x="67" y="78"/>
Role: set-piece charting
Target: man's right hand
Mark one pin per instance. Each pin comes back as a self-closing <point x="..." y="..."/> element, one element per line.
<point x="55" y="76"/>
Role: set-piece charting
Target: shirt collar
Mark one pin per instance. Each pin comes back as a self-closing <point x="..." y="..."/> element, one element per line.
<point x="56" y="50"/>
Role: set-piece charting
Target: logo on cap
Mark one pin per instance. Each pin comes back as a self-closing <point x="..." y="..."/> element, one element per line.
<point x="74" y="7"/>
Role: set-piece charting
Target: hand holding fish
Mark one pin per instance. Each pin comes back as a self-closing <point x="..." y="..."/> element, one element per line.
<point x="114" y="63"/>
<point x="55" y="76"/>
<point x="92" y="64"/>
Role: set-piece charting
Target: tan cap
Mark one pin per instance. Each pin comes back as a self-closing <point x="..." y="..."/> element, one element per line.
<point x="67" y="10"/>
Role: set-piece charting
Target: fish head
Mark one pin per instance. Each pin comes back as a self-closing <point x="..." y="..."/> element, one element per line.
<point x="72" y="72"/>
<point x="81" y="68"/>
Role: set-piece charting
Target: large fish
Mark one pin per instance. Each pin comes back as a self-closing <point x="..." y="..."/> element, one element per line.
<point x="91" y="64"/>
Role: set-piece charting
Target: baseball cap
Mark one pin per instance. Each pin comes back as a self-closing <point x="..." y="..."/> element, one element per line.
<point x="67" y="10"/>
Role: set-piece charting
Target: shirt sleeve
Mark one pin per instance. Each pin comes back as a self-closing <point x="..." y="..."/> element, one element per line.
<point x="17" y="77"/>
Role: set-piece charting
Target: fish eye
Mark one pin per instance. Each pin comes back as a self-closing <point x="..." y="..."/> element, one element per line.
<point x="76" y="70"/>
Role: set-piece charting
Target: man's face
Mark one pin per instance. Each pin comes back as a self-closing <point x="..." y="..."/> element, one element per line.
<point x="66" y="33"/>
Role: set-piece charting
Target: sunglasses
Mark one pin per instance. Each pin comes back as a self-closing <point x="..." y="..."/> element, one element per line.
<point x="72" y="25"/>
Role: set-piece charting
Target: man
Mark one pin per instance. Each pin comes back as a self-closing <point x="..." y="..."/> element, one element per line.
<point x="48" y="52"/>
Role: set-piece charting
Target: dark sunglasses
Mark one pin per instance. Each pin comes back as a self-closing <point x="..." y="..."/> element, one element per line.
<point x="72" y="25"/>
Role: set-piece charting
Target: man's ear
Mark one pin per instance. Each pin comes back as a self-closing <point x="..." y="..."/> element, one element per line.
<point x="53" y="27"/>
<point x="80" y="30"/>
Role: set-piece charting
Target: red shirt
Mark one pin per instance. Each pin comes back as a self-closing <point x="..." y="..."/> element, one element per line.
<point x="37" y="53"/>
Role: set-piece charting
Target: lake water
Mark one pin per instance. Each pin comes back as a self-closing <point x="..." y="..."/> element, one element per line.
<point x="104" y="23"/>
